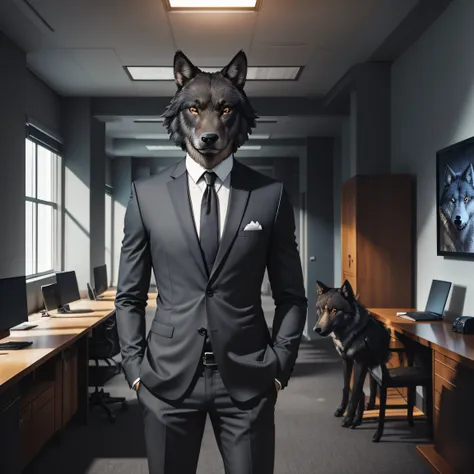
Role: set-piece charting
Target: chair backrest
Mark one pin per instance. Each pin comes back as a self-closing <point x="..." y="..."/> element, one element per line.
<point x="104" y="342"/>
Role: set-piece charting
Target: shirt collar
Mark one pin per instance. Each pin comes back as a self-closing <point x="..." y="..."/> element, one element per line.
<point x="222" y="170"/>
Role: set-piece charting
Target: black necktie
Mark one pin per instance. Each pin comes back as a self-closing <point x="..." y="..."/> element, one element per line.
<point x="209" y="231"/>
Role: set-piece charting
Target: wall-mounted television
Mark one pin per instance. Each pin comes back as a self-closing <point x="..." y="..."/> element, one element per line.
<point x="455" y="199"/>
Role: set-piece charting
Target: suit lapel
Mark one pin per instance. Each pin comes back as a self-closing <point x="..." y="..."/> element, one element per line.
<point x="238" y="199"/>
<point x="179" y="191"/>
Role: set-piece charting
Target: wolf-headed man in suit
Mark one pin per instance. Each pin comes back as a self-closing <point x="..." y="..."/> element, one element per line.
<point x="209" y="227"/>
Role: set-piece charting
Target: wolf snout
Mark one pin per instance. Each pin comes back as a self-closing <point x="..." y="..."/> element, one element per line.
<point x="458" y="222"/>
<point x="209" y="138"/>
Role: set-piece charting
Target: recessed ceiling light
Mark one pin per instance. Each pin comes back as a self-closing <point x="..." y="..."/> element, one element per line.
<point x="212" y="4"/>
<point x="149" y="120"/>
<point x="163" y="148"/>
<point x="254" y="73"/>
<point x="260" y="136"/>
<point x="250" y="147"/>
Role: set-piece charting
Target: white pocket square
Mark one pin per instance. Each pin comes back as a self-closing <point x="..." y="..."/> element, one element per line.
<point x="253" y="226"/>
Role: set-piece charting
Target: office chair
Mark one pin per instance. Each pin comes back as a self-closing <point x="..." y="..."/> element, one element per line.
<point x="104" y="345"/>
<point x="410" y="377"/>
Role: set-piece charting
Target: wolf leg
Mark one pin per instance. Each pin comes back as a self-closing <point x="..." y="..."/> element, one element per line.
<point x="372" y="395"/>
<point x="360" y="372"/>
<point x="347" y="365"/>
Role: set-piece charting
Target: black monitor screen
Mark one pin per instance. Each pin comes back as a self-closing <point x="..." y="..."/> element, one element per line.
<point x="68" y="290"/>
<point x="438" y="296"/>
<point x="100" y="280"/>
<point x="50" y="296"/>
<point x="13" y="302"/>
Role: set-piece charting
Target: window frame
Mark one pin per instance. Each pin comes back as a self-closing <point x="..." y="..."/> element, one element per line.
<point x="56" y="174"/>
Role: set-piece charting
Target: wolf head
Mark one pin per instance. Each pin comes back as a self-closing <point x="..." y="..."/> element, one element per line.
<point x="210" y="115"/>
<point x="457" y="200"/>
<point x="335" y="307"/>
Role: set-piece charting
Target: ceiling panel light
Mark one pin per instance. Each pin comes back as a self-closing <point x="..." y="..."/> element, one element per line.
<point x="212" y="4"/>
<point x="149" y="120"/>
<point x="250" y="147"/>
<point x="260" y="136"/>
<point x="163" y="148"/>
<point x="254" y="73"/>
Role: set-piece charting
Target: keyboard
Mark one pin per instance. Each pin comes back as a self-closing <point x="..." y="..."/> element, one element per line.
<point x="24" y="327"/>
<point x="14" y="345"/>
<point x="423" y="316"/>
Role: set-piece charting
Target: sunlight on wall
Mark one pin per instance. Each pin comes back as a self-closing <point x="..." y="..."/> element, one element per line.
<point x="77" y="228"/>
<point x="119" y="216"/>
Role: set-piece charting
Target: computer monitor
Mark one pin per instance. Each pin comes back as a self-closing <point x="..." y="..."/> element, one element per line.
<point x="13" y="303"/>
<point x="438" y="296"/>
<point x="100" y="280"/>
<point x="50" y="296"/>
<point x="68" y="290"/>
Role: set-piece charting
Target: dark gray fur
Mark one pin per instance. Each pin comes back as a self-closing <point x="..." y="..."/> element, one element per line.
<point x="361" y="341"/>
<point x="456" y="208"/>
<point x="210" y="93"/>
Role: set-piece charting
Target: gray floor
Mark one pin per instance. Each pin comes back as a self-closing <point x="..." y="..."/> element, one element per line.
<point x="309" y="439"/>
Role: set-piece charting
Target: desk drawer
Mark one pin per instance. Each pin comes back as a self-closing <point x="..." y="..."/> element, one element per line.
<point x="42" y="399"/>
<point x="440" y="383"/>
<point x="445" y="372"/>
<point x="436" y="399"/>
<point x="451" y="363"/>
<point x="435" y="419"/>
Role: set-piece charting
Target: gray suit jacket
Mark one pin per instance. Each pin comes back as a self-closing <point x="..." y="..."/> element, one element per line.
<point x="160" y="235"/>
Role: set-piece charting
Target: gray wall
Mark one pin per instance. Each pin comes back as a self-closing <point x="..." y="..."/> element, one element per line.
<point x="121" y="181"/>
<point x="43" y="105"/>
<point x="432" y="104"/>
<point x="84" y="189"/>
<point x="12" y="158"/>
<point x="320" y="220"/>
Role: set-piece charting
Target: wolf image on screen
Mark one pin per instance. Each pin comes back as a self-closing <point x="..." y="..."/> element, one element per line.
<point x="456" y="209"/>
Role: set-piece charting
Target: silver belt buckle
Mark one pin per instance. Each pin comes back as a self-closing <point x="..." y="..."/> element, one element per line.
<point x="205" y="359"/>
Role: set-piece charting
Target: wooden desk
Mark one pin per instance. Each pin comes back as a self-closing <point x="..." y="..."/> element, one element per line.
<point x="45" y="385"/>
<point x="452" y="357"/>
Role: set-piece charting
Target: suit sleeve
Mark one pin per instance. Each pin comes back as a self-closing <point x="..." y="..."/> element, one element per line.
<point x="132" y="289"/>
<point x="286" y="280"/>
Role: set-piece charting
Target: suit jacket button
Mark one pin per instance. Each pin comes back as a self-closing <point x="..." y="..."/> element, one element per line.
<point x="209" y="293"/>
<point x="202" y="331"/>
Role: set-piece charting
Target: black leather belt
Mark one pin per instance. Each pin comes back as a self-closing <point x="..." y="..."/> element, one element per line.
<point x="208" y="359"/>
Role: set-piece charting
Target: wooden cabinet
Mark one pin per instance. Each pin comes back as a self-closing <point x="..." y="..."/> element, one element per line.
<point x="36" y="420"/>
<point x="453" y="412"/>
<point x="69" y="385"/>
<point x="377" y="237"/>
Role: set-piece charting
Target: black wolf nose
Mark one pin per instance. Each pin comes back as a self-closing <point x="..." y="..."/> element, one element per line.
<point x="458" y="218"/>
<point x="209" y="138"/>
<point x="316" y="329"/>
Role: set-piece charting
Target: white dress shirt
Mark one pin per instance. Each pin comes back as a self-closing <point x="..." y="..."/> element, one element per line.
<point x="197" y="186"/>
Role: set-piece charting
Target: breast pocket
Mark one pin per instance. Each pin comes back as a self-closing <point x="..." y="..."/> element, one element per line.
<point x="162" y="329"/>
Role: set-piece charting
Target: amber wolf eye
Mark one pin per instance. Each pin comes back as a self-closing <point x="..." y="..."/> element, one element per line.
<point x="226" y="110"/>
<point x="193" y="110"/>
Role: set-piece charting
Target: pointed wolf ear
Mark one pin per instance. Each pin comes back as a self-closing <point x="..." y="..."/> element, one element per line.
<point x="347" y="291"/>
<point x="236" y="70"/>
<point x="468" y="174"/>
<point x="449" y="175"/>
<point x="184" y="69"/>
<point x="321" y="288"/>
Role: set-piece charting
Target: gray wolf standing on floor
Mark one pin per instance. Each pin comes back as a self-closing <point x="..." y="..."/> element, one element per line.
<point x="456" y="208"/>
<point x="352" y="328"/>
<point x="209" y="227"/>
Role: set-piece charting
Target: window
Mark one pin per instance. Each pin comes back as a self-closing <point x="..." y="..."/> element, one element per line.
<point x="42" y="217"/>
<point x="108" y="232"/>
